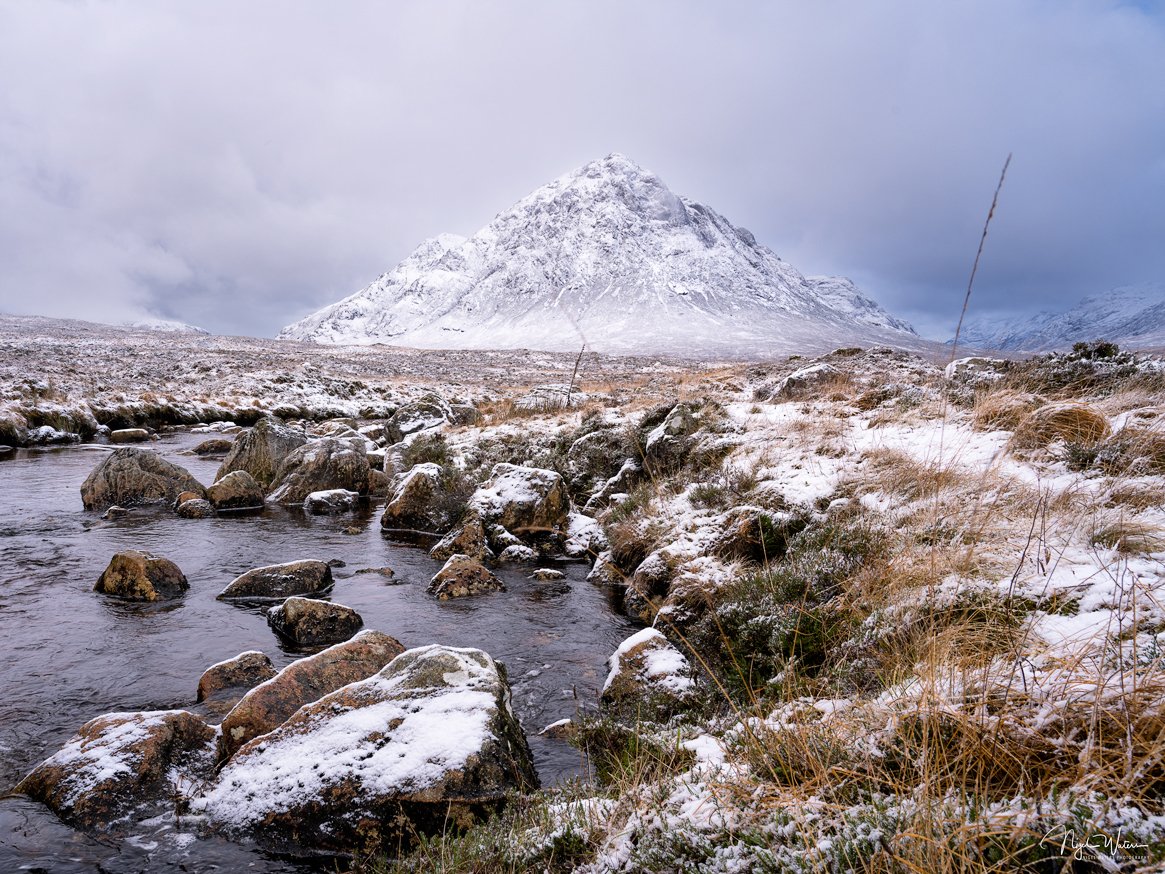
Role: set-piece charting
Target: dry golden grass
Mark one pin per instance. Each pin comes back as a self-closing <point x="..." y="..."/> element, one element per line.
<point x="1136" y="496"/>
<point x="1067" y="422"/>
<point x="1003" y="409"/>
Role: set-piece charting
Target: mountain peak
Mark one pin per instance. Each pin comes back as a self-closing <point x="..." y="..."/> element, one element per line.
<point x="606" y="253"/>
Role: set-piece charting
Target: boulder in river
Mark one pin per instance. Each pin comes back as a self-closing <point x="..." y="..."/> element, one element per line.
<point x="213" y="446"/>
<point x="130" y="475"/>
<point x="196" y="508"/>
<point x="268" y="705"/>
<point x="129" y="435"/>
<point x="261" y="450"/>
<point x="529" y="502"/>
<point x="421" y="502"/>
<point x="323" y="464"/>
<point x="239" y="674"/>
<point x="238" y="490"/>
<point x="462" y="576"/>
<point x="330" y="501"/>
<point x="468" y="539"/>
<point x="310" y="622"/>
<point x="427" y="743"/>
<point x="142" y="576"/>
<point x="307" y="577"/>
<point x="122" y="763"/>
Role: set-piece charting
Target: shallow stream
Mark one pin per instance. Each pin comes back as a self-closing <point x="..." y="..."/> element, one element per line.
<point x="70" y="654"/>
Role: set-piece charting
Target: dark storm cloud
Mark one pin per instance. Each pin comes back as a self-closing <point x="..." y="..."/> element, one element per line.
<point x="236" y="165"/>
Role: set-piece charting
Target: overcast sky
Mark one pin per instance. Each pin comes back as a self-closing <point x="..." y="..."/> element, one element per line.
<point x="237" y="165"/>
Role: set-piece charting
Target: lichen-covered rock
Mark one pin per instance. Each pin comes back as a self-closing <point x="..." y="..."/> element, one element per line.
<point x="629" y="475"/>
<point x="315" y="467"/>
<point x="261" y="450"/>
<point x="213" y="446"/>
<point x="142" y="576"/>
<point x="330" y="501"/>
<point x="420" y="502"/>
<point x="529" y="502"/>
<point x="428" y="411"/>
<point x="666" y="444"/>
<point x="462" y="576"/>
<point x="307" y="577"/>
<point x="196" y="508"/>
<point x="428" y="743"/>
<point x="238" y="490"/>
<point x="596" y="457"/>
<point x="129" y="435"/>
<point x="119" y="764"/>
<point x="468" y="539"/>
<point x="804" y="382"/>
<point x="269" y="704"/>
<point x="309" y="622"/>
<point x="129" y="476"/>
<point x="239" y="675"/>
<point x="648" y="676"/>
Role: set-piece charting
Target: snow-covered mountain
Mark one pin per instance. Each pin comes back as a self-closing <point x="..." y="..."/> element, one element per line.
<point x="153" y="323"/>
<point x="609" y="255"/>
<point x="1132" y="316"/>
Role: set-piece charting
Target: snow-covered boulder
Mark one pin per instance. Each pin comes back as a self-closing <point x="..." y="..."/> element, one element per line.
<point x="270" y="703"/>
<point x="307" y="577"/>
<point x="648" y="676"/>
<point x="629" y="475"/>
<point x="129" y="435"/>
<point x="666" y="442"/>
<point x="129" y="476"/>
<point x="238" y="490"/>
<point x="236" y="675"/>
<point x="330" y="501"/>
<point x="584" y="536"/>
<point x="463" y="576"/>
<point x="324" y="464"/>
<point x="428" y="411"/>
<point x="428" y="742"/>
<point x="420" y="502"/>
<point x="142" y="576"/>
<point x="311" y="622"/>
<point x="261" y="450"/>
<point x="122" y="763"/>
<point x="805" y="382"/>
<point x="528" y="502"/>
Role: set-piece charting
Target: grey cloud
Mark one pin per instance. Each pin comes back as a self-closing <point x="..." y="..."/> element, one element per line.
<point x="238" y="165"/>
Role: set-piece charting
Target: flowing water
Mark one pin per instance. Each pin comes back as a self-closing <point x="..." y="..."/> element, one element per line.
<point x="70" y="654"/>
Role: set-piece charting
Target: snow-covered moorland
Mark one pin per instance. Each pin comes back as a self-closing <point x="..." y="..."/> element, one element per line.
<point x="905" y="618"/>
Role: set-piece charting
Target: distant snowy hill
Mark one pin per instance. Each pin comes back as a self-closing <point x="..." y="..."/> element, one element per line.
<point x="609" y="254"/>
<point x="151" y="323"/>
<point x="1132" y="316"/>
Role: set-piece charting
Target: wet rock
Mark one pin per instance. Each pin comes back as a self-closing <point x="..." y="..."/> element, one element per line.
<point x="379" y="482"/>
<point x="238" y="490"/>
<point x="563" y="729"/>
<point x="307" y="577"/>
<point x="428" y="743"/>
<point x="213" y="446"/>
<point x="141" y="576"/>
<point x="529" y="502"/>
<point x="386" y="572"/>
<point x="129" y="435"/>
<point x="119" y="764"/>
<point x="545" y="575"/>
<point x="239" y="674"/>
<point x="13" y="428"/>
<point x="649" y="677"/>
<point x="196" y="508"/>
<point x="462" y="576"/>
<point x="469" y="539"/>
<point x="186" y="496"/>
<point x="308" y="622"/>
<point x="261" y="450"/>
<point x="269" y="705"/>
<point x="330" y="501"/>
<point x="421" y="502"/>
<point x="325" y="464"/>
<point x="428" y="411"/>
<point x="116" y="512"/>
<point x="129" y="476"/>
